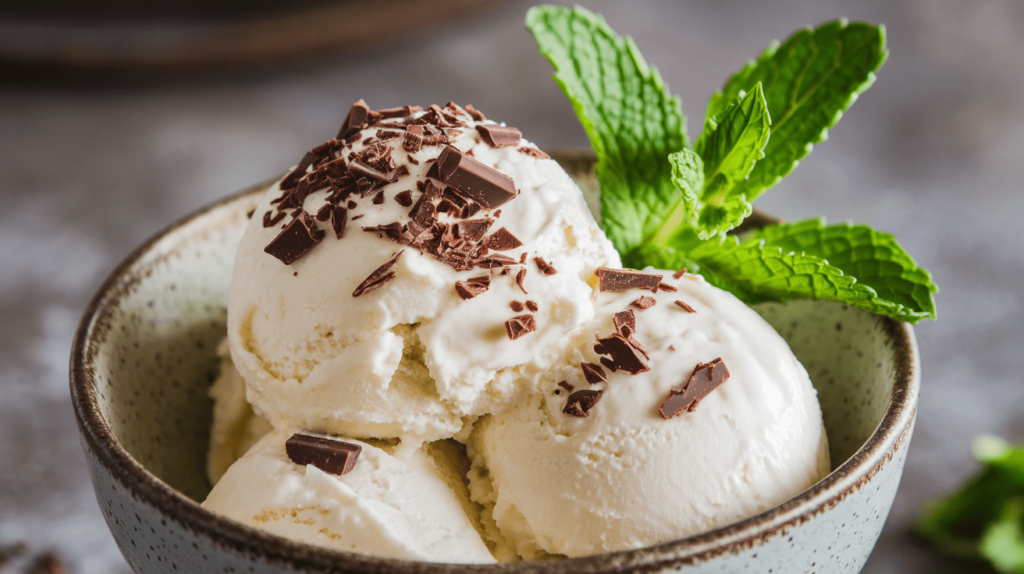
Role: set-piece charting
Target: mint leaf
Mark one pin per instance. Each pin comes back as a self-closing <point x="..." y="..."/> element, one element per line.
<point x="731" y="143"/>
<point x="875" y="259"/>
<point x="631" y="119"/>
<point x="809" y="81"/>
<point x="1003" y="541"/>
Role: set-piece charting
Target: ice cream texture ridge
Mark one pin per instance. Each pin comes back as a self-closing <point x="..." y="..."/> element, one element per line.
<point x="434" y="353"/>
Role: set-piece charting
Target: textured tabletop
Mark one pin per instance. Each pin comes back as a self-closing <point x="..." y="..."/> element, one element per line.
<point x="932" y="153"/>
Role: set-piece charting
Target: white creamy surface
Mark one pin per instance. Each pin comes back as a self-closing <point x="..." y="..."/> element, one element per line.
<point x="410" y="359"/>
<point x="395" y="507"/>
<point x="624" y="477"/>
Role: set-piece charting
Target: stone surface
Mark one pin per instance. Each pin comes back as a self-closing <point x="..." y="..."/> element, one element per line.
<point x="930" y="153"/>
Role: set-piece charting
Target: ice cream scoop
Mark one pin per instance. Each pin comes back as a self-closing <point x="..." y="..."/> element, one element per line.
<point x="675" y="411"/>
<point x="390" y="284"/>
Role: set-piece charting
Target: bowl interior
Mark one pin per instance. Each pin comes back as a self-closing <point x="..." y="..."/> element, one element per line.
<point x="158" y="328"/>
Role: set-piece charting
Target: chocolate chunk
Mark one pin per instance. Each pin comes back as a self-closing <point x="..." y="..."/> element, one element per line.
<point x="324" y="213"/>
<point x="379" y="198"/>
<point x="269" y="221"/>
<point x="532" y="306"/>
<point x="502" y="240"/>
<point x="685" y="307"/>
<point x="705" y="378"/>
<point x="475" y="114"/>
<point x="338" y="217"/>
<point x="413" y="139"/>
<point x="520" y="276"/>
<point x="579" y="403"/>
<point x="544" y="267"/>
<point x="625" y="323"/>
<point x="621" y="355"/>
<point x="623" y="279"/>
<point x="516" y="306"/>
<point x="499" y="136"/>
<point x="594" y="374"/>
<point x="330" y="455"/>
<point x="404" y="198"/>
<point x="666" y="287"/>
<point x="484" y="185"/>
<point x="565" y="385"/>
<point x="295" y="240"/>
<point x="379" y="277"/>
<point x="472" y="287"/>
<point x="534" y="152"/>
<point x="352" y="204"/>
<point x="355" y="120"/>
<point x="644" y="302"/>
<point x="679" y="273"/>
<point x="520" y="325"/>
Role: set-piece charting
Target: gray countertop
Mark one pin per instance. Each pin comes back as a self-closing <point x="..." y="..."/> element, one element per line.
<point x="932" y="153"/>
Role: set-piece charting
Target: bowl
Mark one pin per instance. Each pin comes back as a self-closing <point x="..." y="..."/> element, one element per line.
<point x="145" y="354"/>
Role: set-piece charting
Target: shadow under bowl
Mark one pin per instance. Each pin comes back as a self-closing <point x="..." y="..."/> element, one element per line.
<point x="145" y="355"/>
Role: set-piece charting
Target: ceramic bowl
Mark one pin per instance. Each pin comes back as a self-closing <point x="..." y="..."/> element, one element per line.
<point x="144" y="357"/>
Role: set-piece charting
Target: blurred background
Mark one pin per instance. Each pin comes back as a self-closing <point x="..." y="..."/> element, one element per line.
<point x="117" y="118"/>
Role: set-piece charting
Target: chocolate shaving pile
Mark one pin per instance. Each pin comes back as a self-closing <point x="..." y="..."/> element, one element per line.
<point x="705" y="378"/>
<point x="624" y="279"/>
<point x="330" y="455"/>
<point x="579" y="403"/>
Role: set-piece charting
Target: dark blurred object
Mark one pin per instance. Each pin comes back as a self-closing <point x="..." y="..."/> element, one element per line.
<point x="56" y="40"/>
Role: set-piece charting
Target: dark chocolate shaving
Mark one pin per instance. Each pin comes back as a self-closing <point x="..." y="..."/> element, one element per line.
<point x="499" y="136"/>
<point x="705" y="378"/>
<point x="685" y="307"/>
<point x="475" y="114"/>
<point x="472" y="287"/>
<point x="404" y="198"/>
<point x="520" y="325"/>
<point x="565" y="385"/>
<point x="338" y="217"/>
<point x="534" y="152"/>
<point x="644" y="302"/>
<point x="324" y="213"/>
<point x="473" y="229"/>
<point x="516" y="306"/>
<point x="503" y="240"/>
<point x="594" y="374"/>
<point x="625" y="323"/>
<point x="666" y="287"/>
<point x="484" y="185"/>
<point x="295" y="239"/>
<point x="623" y="279"/>
<point x="532" y="306"/>
<point x="679" y="273"/>
<point x="621" y="355"/>
<point x="579" y="403"/>
<point x="544" y="267"/>
<point x="330" y="455"/>
<point x="520" y="277"/>
<point x="355" y="121"/>
<point x="379" y="277"/>
<point x="379" y="198"/>
<point x="413" y="139"/>
<point x="269" y="221"/>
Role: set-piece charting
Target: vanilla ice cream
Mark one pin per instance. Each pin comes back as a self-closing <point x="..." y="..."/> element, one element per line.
<point x="571" y="476"/>
<point x="380" y="333"/>
<point x="412" y="507"/>
<point x="236" y="427"/>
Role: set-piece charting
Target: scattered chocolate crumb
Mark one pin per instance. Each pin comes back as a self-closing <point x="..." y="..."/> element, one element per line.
<point x="565" y="385"/>
<point x="502" y="240"/>
<point x="544" y="267"/>
<point x="499" y="136"/>
<point x="48" y="563"/>
<point x="685" y="307"/>
<point x="516" y="306"/>
<point x="534" y="152"/>
<point x="472" y="287"/>
<point x="623" y="279"/>
<point x="360" y="216"/>
<point x="269" y="221"/>
<point x="330" y="455"/>
<point x="324" y="213"/>
<point x="404" y="198"/>
<point x="520" y="325"/>
<point x="671" y="347"/>
<point x="579" y="403"/>
<point x="622" y="356"/>
<point x="532" y="306"/>
<point x="679" y="273"/>
<point x="379" y="277"/>
<point x="352" y="204"/>
<point x="520" y="276"/>
<point x="705" y="378"/>
<point x="477" y="181"/>
<point x="475" y="114"/>
<point x="295" y="239"/>
<point x="412" y="160"/>
<point x="644" y="302"/>
<point x="666" y="287"/>
<point x="379" y="198"/>
<point x="625" y="323"/>
<point x="248" y="214"/>
<point x="594" y="374"/>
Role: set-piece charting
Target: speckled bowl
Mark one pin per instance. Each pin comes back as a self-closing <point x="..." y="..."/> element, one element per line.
<point x="144" y="356"/>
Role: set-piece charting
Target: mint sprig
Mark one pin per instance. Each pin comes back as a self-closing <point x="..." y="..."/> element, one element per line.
<point x="668" y="205"/>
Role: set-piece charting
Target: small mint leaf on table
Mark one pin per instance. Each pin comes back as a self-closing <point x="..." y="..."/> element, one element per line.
<point x="631" y="119"/>
<point x="808" y="81"/>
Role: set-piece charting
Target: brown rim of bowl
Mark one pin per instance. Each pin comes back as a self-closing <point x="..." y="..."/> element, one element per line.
<point x="849" y="477"/>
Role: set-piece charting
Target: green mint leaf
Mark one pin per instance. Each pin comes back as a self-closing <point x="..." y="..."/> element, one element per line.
<point x="1003" y="541"/>
<point x="631" y="119"/>
<point x="809" y="81"/>
<point x="876" y="260"/>
<point x="730" y="145"/>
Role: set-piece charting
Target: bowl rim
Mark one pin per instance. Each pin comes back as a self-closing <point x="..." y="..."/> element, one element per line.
<point x="892" y="430"/>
